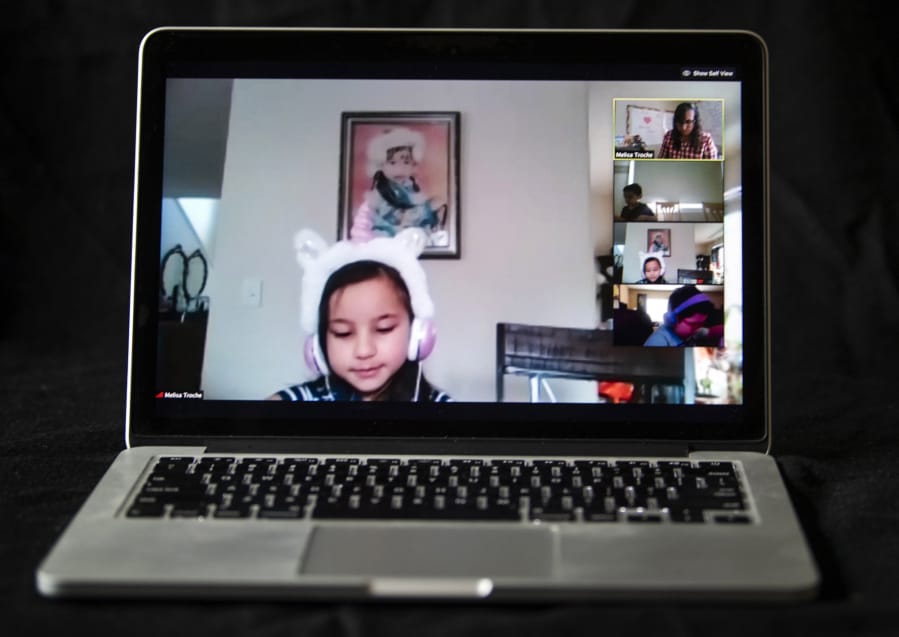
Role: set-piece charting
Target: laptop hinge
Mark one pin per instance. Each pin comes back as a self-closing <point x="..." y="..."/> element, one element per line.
<point x="450" y="446"/>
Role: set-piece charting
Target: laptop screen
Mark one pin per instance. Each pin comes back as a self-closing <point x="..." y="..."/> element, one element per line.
<point x="433" y="229"/>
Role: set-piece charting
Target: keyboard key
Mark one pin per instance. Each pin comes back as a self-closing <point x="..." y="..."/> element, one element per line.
<point x="551" y="516"/>
<point x="237" y="511"/>
<point x="686" y="515"/>
<point x="732" y="519"/>
<point x="644" y="517"/>
<point x="189" y="510"/>
<point x="593" y="516"/>
<point x="291" y="512"/>
<point x="148" y="508"/>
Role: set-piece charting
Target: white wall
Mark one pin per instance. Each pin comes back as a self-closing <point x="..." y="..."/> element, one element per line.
<point x="527" y="236"/>
<point x="176" y="229"/>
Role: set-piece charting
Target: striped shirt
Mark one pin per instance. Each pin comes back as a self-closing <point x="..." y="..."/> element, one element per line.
<point x="320" y="390"/>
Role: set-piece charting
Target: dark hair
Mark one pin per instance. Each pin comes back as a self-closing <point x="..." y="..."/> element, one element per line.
<point x="680" y="114"/>
<point x="648" y="259"/>
<point x="634" y="188"/>
<point x="684" y="293"/>
<point x="396" y="149"/>
<point x="402" y="386"/>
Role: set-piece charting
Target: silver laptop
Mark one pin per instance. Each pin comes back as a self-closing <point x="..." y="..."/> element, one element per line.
<point x="473" y="315"/>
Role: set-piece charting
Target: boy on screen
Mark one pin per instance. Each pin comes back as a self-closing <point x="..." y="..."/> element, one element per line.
<point x="688" y="311"/>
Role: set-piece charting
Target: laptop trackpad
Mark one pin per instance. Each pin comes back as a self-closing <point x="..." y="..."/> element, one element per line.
<point x="430" y="551"/>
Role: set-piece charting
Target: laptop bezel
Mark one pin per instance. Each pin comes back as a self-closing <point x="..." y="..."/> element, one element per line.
<point x="275" y="53"/>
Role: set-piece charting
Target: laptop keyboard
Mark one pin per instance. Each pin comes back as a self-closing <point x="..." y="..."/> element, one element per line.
<point x="641" y="491"/>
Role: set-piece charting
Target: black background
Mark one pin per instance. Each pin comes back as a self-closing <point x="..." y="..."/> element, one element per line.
<point x="67" y="98"/>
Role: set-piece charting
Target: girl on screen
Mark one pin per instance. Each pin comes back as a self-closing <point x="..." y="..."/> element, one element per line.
<point x="369" y="318"/>
<point x="653" y="268"/>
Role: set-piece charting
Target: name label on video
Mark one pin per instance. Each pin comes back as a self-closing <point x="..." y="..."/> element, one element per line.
<point x="195" y="395"/>
<point x="634" y="154"/>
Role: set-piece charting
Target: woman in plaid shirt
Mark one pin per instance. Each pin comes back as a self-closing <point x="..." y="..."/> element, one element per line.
<point x="687" y="140"/>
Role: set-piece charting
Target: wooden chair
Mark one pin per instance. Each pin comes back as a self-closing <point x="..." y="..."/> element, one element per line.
<point x="543" y="353"/>
<point x="713" y="211"/>
<point x="668" y="210"/>
<point x="695" y="277"/>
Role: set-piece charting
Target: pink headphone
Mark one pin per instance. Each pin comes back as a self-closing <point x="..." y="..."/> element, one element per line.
<point x="670" y="317"/>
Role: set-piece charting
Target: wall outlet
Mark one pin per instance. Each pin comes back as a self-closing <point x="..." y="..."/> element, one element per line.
<point x="251" y="292"/>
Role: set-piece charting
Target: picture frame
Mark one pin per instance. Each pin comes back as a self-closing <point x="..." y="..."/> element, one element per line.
<point x="649" y="123"/>
<point x="658" y="240"/>
<point x="405" y="166"/>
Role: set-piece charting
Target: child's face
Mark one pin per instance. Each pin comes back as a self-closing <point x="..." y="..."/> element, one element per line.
<point x="688" y="326"/>
<point x="368" y="334"/>
<point x="652" y="270"/>
<point x="631" y="199"/>
<point x="400" y="165"/>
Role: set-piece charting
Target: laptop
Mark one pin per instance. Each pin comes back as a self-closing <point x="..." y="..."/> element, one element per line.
<point x="438" y="314"/>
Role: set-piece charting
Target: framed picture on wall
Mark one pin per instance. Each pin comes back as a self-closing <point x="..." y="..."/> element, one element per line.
<point x="401" y="170"/>
<point x="658" y="240"/>
<point x="650" y="124"/>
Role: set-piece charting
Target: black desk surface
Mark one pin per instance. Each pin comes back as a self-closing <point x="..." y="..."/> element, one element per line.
<point x="66" y="142"/>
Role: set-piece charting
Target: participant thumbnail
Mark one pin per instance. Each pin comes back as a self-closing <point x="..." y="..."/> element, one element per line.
<point x="669" y="129"/>
<point x="683" y="191"/>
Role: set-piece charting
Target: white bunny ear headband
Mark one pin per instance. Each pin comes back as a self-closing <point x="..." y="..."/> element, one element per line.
<point x="319" y="262"/>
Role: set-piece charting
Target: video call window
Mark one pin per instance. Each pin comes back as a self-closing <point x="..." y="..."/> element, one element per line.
<point x="528" y="232"/>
